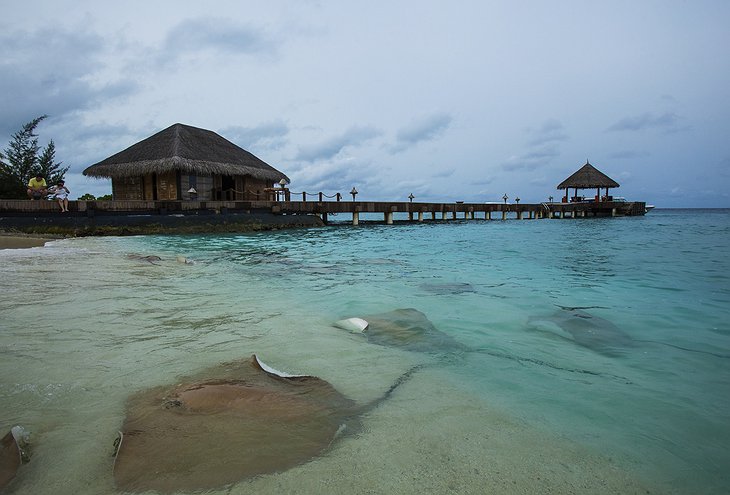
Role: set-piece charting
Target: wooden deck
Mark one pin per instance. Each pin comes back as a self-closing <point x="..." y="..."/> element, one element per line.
<point x="412" y="210"/>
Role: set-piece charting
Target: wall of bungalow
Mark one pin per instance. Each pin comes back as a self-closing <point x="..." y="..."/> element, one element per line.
<point x="177" y="185"/>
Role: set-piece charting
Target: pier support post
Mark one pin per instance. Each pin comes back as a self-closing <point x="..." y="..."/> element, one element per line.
<point x="453" y="214"/>
<point x="410" y="216"/>
<point x="433" y="215"/>
<point x="389" y="218"/>
<point x="519" y="214"/>
<point x="613" y="212"/>
<point x="356" y="218"/>
<point x="420" y="216"/>
<point x="504" y="214"/>
<point x="443" y="215"/>
<point x="324" y="217"/>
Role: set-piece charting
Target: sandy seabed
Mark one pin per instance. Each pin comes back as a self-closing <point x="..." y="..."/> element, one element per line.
<point x="455" y="444"/>
<point x="465" y="448"/>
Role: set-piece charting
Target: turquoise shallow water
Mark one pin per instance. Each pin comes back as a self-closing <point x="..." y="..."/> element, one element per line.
<point x="607" y="335"/>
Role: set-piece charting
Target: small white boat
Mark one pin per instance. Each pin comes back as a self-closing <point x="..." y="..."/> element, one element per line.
<point x="648" y="208"/>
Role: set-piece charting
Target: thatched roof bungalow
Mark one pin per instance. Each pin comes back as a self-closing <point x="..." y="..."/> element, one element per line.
<point x="588" y="177"/>
<point x="185" y="162"/>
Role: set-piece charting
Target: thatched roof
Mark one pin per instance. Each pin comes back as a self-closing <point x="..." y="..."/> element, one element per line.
<point x="588" y="177"/>
<point x="188" y="149"/>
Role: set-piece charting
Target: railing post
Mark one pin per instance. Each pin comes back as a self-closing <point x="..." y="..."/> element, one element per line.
<point x="304" y="196"/>
<point x="320" y="196"/>
<point x="339" y="196"/>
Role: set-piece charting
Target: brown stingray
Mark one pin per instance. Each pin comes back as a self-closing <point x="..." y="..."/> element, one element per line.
<point x="11" y="457"/>
<point x="408" y="329"/>
<point x="249" y="420"/>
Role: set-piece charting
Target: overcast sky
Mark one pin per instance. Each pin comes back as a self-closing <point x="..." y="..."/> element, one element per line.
<point x="462" y="100"/>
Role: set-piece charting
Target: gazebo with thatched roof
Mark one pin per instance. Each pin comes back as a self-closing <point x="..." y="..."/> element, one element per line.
<point x="588" y="177"/>
<point x="185" y="162"/>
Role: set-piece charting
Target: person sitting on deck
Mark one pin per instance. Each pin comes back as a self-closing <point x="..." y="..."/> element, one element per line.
<point x="60" y="193"/>
<point x="37" y="187"/>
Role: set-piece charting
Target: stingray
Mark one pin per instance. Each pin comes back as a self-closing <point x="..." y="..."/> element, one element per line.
<point x="411" y="330"/>
<point x="12" y="455"/>
<point x="248" y="421"/>
<point x="405" y="328"/>
<point x="151" y="259"/>
<point x="590" y="331"/>
<point x="599" y="334"/>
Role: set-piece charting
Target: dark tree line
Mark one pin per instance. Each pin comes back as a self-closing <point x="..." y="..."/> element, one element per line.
<point x="23" y="159"/>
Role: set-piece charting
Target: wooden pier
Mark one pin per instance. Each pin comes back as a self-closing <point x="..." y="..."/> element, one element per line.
<point x="412" y="211"/>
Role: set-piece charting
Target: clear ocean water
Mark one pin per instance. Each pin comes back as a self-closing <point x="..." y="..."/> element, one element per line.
<point x="598" y="350"/>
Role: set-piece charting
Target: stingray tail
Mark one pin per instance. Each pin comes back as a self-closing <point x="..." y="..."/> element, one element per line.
<point x="400" y="381"/>
<point x="699" y="351"/>
<point x="540" y="362"/>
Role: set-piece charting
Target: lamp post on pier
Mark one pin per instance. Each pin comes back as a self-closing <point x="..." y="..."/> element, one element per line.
<point x="505" y="198"/>
<point x="353" y="192"/>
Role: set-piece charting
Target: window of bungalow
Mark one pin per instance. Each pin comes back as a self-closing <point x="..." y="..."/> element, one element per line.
<point x="202" y="184"/>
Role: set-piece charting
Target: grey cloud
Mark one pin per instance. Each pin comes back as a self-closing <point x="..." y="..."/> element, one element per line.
<point x="218" y="34"/>
<point x="667" y="121"/>
<point x="424" y="129"/>
<point x="47" y="72"/>
<point x="531" y="160"/>
<point x="444" y="173"/>
<point x="329" y="148"/>
<point x="79" y="144"/>
<point x="541" y="148"/>
<point x="103" y="132"/>
<point x="551" y="130"/>
<point x="268" y="136"/>
<point x="404" y="188"/>
<point x="331" y="178"/>
<point x="483" y="182"/>
<point x="627" y="154"/>
<point x="539" y="181"/>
